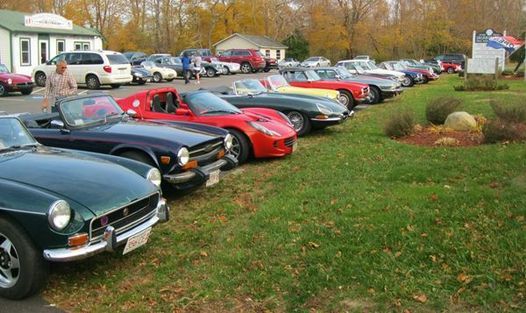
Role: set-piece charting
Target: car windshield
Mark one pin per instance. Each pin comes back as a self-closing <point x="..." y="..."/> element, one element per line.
<point x="312" y="59"/>
<point x="175" y="61"/>
<point x="88" y="111"/>
<point x="148" y="64"/>
<point x="13" y="134"/>
<point x="343" y="72"/>
<point x="371" y="65"/>
<point x="249" y="86"/>
<point x="206" y="103"/>
<point x="3" y="69"/>
<point x="395" y="66"/>
<point x="277" y="81"/>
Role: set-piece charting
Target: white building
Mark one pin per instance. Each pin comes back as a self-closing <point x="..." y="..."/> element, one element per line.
<point x="267" y="46"/>
<point x="28" y="40"/>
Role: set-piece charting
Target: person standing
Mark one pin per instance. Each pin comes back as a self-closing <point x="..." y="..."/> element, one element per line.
<point x="58" y="85"/>
<point x="186" y="67"/>
<point x="197" y="67"/>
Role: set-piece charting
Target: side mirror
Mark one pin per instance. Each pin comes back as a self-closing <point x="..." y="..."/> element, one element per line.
<point x="338" y="77"/>
<point x="131" y="112"/>
<point x="57" y="124"/>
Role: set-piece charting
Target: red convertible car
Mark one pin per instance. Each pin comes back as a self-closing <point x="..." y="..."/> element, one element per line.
<point x="257" y="132"/>
<point x="11" y="82"/>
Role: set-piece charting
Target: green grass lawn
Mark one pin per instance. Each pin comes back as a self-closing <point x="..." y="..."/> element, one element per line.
<point x="353" y="221"/>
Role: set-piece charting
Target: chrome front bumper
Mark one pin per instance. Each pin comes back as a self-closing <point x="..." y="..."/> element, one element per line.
<point x="203" y="172"/>
<point x="111" y="239"/>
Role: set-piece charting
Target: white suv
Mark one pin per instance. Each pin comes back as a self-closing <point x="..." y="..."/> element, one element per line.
<point x="90" y="68"/>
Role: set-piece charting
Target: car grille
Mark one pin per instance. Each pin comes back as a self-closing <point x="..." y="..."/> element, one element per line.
<point x="289" y="142"/>
<point x="206" y="153"/>
<point x="125" y="217"/>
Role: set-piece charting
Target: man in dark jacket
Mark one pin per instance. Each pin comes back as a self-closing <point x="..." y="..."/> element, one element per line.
<point x="186" y="68"/>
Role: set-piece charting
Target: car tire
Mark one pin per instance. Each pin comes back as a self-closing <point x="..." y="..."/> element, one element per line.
<point x="141" y="82"/>
<point x="3" y="91"/>
<point x="376" y="96"/>
<point x="450" y="70"/>
<point x="40" y="79"/>
<point x="210" y="72"/>
<point x="157" y="77"/>
<point x="240" y="146"/>
<point x="246" y="68"/>
<point x="25" y="92"/>
<point x="92" y="82"/>
<point x="300" y="122"/>
<point x="170" y="79"/>
<point x="408" y="81"/>
<point x="266" y="69"/>
<point x="227" y="71"/>
<point x="346" y="99"/>
<point x="425" y="80"/>
<point x="115" y="86"/>
<point x="31" y="271"/>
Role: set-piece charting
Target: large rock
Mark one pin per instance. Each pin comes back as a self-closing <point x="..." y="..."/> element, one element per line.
<point x="461" y="121"/>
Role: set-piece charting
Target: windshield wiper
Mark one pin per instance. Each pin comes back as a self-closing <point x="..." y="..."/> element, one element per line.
<point x="218" y="111"/>
<point x="18" y="147"/>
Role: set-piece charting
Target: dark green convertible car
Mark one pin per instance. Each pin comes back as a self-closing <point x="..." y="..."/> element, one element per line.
<point x="62" y="205"/>
<point x="304" y="112"/>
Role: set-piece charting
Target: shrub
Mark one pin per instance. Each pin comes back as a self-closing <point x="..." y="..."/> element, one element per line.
<point x="480" y="83"/>
<point x="400" y="124"/>
<point x="511" y="113"/>
<point x="438" y="109"/>
<point x="498" y="131"/>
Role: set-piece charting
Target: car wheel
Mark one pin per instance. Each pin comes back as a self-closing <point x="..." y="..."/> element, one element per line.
<point x="227" y="71"/>
<point x="408" y="82"/>
<point x="40" y="79"/>
<point x="23" y="270"/>
<point x="170" y="79"/>
<point x="210" y="72"/>
<point x="3" y="91"/>
<point x="266" y="69"/>
<point x="240" y="146"/>
<point x="450" y="70"/>
<point x="375" y="95"/>
<point x="141" y="82"/>
<point x="92" y="82"/>
<point x="346" y="99"/>
<point x="115" y="86"/>
<point x="25" y="91"/>
<point x="157" y="77"/>
<point x="425" y="80"/>
<point x="246" y="68"/>
<point x="300" y="122"/>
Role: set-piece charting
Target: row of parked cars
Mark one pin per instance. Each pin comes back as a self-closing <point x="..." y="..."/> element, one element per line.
<point x="90" y="177"/>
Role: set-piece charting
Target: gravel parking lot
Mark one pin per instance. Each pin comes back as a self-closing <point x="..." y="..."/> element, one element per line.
<point x="15" y="102"/>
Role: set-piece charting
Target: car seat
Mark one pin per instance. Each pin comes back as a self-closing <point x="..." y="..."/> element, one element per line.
<point x="156" y="104"/>
<point x="171" y="105"/>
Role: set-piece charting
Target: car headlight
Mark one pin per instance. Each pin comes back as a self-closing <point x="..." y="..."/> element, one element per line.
<point x="59" y="215"/>
<point x="154" y="176"/>
<point x="9" y="81"/>
<point x="228" y="142"/>
<point x="263" y="129"/>
<point x="183" y="156"/>
<point x="323" y="109"/>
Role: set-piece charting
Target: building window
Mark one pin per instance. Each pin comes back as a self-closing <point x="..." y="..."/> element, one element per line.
<point x="61" y="46"/>
<point x="278" y="54"/>
<point x="85" y="46"/>
<point x="267" y="53"/>
<point x="81" y="45"/>
<point x="25" y="51"/>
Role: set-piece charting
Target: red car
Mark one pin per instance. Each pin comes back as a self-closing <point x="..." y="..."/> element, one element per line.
<point x="351" y="93"/>
<point x="251" y="60"/>
<point x="450" y="67"/>
<point x="257" y="132"/>
<point x="10" y="82"/>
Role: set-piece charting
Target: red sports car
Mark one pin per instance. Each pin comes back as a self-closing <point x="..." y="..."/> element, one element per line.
<point x="10" y="82"/>
<point x="351" y="93"/>
<point x="257" y="132"/>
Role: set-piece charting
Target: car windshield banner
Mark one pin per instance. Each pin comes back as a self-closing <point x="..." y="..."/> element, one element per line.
<point x="511" y="44"/>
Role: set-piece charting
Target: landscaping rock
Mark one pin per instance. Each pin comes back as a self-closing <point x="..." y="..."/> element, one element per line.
<point x="461" y="121"/>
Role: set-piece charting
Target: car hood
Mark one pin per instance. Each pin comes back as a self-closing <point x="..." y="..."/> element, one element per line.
<point x="172" y="132"/>
<point x="16" y="78"/>
<point x="388" y="72"/>
<point x="329" y="93"/>
<point x="94" y="183"/>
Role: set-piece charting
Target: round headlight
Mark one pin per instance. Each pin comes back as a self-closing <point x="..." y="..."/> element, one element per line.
<point x="154" y="176"/>
<point x="9" y="81"/>
<point x="59" y="215"/>
<point x="229" y="142"/>
<point x="183" y="156"/>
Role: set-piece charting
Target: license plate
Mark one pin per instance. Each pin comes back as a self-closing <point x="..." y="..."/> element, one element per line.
<point x="213" y="178"/>
<point x="294" y="146"/>
<point x="137" y="240"/>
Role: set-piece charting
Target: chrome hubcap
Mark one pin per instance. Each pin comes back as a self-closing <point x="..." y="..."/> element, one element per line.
<point x="343" y="99"/>
<point x="296" y="119"/>
<point x="236" y="147"/>
<point x="9" y="263"/>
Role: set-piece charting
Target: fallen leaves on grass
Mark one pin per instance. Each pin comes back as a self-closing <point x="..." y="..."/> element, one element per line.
<point x="422" y="298"/>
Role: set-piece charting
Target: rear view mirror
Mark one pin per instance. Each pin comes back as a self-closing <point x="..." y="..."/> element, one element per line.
<point x="131" y="112"/>
<point x="57" y="124"/>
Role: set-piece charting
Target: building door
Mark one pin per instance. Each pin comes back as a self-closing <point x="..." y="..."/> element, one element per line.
<point x="43" y="51"/>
